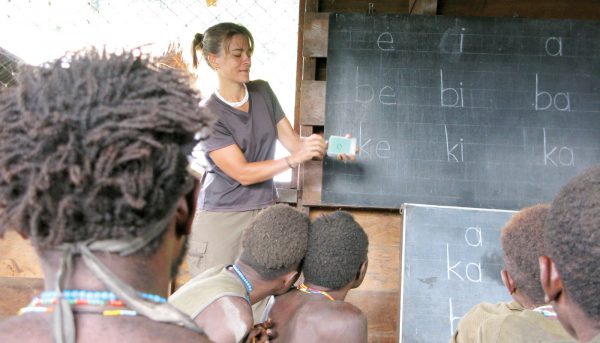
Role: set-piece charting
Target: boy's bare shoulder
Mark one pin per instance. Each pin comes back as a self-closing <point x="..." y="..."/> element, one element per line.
<point x="26" y="329"/>
<point x="93" y="328"/>
<point x="337" y="321"/>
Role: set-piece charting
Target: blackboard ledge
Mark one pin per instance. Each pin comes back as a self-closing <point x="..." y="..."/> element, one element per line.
<point x="405" y="205"/>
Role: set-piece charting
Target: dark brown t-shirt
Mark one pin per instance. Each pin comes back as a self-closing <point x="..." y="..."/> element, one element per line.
<point x="255" y="133"/>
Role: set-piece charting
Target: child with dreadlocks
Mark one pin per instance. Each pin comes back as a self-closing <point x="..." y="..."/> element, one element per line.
<point x="220" y="299"/>
<point x="336" y="261"/>
<point x="528" y="318"/>
<point x="93" y="169"/>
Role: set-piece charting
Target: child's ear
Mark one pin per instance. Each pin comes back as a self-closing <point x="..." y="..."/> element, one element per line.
<point x="508" y="281"/>
<point x="290" y="279"/>
<point x="360" y="275"/>
<point x="186" y="210"/>
<point x="550" y="279"/>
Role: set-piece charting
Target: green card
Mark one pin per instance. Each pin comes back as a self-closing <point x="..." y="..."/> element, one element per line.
<point x="338" y="145"/>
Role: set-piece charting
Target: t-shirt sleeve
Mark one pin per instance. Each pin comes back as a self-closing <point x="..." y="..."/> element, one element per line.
<point x="278" y="113"/>
<point x="220" y="137"/>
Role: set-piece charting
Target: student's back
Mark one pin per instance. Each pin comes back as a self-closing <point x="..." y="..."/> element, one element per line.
<point x="508" y="322"/>
<point x="94" y="328"/>
<point x="310" y="319"/>
<point x="335" y="262"/>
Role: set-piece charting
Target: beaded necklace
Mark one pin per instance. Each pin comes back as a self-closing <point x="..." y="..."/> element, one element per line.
<point x="234" y="103"/>
<point x="46" y="301"/>
<point x="242" y="277"/>
<point x="305" y="289"/>
<point x="546" y="311"/>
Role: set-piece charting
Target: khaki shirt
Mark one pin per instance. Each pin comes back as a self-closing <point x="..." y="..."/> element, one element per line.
<point x="204" y="289"/>
<point x="508" y="322"/>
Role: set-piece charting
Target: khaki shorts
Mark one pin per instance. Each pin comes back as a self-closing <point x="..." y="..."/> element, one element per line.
<point x="216" y="238"/>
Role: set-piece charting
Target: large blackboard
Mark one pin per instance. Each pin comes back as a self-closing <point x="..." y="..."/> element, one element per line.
<point x="475" y="112"/>
<point x="451" y="261"/>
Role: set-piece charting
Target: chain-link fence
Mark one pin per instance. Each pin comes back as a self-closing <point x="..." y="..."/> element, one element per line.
<point x="8" y="65"/>
<point x="39" y="30"/>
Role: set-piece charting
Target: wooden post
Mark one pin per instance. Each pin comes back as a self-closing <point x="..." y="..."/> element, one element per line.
<point x="426" y="7"/>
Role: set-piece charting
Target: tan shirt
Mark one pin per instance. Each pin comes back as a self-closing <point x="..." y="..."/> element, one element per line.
<point x="508" y="322"/>
<point x="201" y="291"/>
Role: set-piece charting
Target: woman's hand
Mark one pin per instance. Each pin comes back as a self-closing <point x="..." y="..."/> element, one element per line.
<point x="312" y="146"/>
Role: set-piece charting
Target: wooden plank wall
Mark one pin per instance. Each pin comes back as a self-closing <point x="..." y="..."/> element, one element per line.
<point x="20" y="274"/>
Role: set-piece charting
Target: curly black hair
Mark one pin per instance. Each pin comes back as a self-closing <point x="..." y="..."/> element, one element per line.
<point x="572" y="236"/>
<point x="275" y="241"/>
<point x="94" y="146"/>
<point x="337" y="246"/>
<point x="522" y="240"/>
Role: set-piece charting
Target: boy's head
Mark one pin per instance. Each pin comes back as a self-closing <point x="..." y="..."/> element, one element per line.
<point x="275" y="241"/>
<point x="337" y="249"/>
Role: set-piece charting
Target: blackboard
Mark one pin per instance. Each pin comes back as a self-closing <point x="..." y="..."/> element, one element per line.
<point x="451" y="261"/>
<point x="473" y="112"/>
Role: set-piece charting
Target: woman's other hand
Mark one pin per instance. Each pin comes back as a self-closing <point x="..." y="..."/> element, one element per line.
<point x="313" y="146"/>
<point x="347" y="157"/>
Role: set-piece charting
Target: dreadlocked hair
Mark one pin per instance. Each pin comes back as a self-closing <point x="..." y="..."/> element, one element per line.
<point x="94" y="146"/>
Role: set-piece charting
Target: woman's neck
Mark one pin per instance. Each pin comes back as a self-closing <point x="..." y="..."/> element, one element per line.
<point x="232" y="91"/>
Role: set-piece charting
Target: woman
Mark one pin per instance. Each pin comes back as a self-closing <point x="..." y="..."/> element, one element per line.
<point x="240" y="151"/>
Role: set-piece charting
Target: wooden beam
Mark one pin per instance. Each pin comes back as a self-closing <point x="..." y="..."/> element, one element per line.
<point x="312" y="103"/>
<point x="309" y="68"/>
<point x="294" y="182"/>
<point x="316" y="31"/>
<point x="547" y="9"/>
<point x="312" y="173"/>
<point x="311" y="6"/>
<point x="426" y="7"/>
<point x="287" y="195"/>
<point x="363" y="6"/>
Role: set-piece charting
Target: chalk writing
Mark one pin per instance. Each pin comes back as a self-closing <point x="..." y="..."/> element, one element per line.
<point x="446" y="269"/>
<point x="364" y="92"/>
<point x="450" y="151"/>
<point x="475" y="266"/>
<point x="385" y="41"/>
<point x="565" y="155"/>
<point x="561" y="101"/>
<point x="453" y="318"/>
<point x="381" y="149"/>
<point x="450" y="97"/>
<point x="385" y="93"/>
<point x="473" y="232"/>
<point x="460" y="111"/>
<point x="554" y="46"/>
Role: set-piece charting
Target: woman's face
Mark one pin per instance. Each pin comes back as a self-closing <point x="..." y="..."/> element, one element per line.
<point x="233" y="64"/>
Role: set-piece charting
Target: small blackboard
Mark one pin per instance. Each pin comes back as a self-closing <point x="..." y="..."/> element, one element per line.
<point x="451" y="259"/>
<point x="474" y="112"/>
